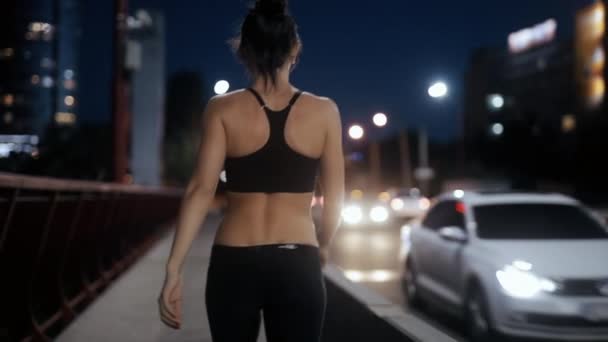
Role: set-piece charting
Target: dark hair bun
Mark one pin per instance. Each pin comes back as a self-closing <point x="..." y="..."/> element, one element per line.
<point x="267" y="39"/>
<point x="271" y="7"/>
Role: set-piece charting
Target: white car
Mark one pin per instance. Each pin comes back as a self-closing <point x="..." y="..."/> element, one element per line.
<point x="523" y="265"/>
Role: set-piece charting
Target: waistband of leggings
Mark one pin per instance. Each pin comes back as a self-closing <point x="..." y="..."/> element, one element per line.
<point x="269" y="246"/>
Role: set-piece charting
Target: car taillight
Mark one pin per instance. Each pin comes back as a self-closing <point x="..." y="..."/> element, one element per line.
<point x="460" y="208"/>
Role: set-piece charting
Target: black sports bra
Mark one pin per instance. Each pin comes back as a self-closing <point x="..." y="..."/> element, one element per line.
<point x="275" y="167"/>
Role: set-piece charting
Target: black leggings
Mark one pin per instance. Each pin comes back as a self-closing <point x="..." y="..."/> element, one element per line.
<point x="282" y="280"/>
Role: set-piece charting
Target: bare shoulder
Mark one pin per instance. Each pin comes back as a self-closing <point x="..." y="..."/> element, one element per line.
<point x="324" y="106"/>
<point x="224" y="104"/>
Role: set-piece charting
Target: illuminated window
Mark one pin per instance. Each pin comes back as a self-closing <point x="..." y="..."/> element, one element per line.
<point x="35" y="79"/>
<point x="46" y="63"/>
<point x="598" y="26"/>
<point x="7" y="53"/>
<point x="40" y="27"/>
<point x="46" y="27"/>
<point x="69" y="101"/>
<point x="8" y="100"/>
<point x="69" y="84"/>
<point x="8" y="117"/>
<point x="532" y="36"/>
<point x="47" y="36"/>
<point x="598" y="90"/>
<point x="65" y="118"/>
<point x="568" y="123"/>
<point x="68" y="74"/>
<point x="47" y="81"/>
<point x="35" y="27"/>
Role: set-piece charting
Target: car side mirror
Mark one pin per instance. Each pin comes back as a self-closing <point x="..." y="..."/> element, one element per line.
<point x="453" y="233"/>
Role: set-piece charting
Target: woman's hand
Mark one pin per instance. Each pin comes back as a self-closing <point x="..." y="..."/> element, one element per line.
<point x="324" y="255"/>
<point x="170" y="300"/>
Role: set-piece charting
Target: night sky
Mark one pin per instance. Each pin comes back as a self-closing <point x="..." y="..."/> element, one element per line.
<point x="368" y="56"/>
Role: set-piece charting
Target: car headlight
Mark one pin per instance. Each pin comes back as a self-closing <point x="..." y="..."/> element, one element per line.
<point x="378" y="214"/>
<point x="424" y="203"/>
<point x="352" y="214"/>
<point x="523" y="283"/>
<point x="397" y="204"/>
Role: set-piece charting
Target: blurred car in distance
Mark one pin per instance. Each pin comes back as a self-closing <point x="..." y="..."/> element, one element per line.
<point x="365" y="211"/>
<point x="408" y="203"/>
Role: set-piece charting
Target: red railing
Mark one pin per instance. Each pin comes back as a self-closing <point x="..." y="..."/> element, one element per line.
<point x="62" y="242"/>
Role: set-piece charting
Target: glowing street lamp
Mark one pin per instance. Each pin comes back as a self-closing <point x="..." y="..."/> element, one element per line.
<point x="438" y="90"/>
<point x="497" y="129"/>
<point x="424" y="173"/>
<point x="495" y="102"/>
<point x="356" y="132"/>
<point x="380" y="119"/>
<point x="221" y="87"/>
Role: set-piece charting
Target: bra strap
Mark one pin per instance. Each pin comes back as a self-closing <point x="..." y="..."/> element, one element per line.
<point x="295" y="98"/>
<point x="257" y="96"/>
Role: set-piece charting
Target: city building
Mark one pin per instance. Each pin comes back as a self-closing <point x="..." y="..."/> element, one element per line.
<point x="535" y="107"/>
<point x="145" y="61"/>
<point x="39" y="43"/>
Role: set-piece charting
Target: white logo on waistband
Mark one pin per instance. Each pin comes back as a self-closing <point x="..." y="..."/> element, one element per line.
<point x="603" y="288"/>
<point x="289" y="246"/>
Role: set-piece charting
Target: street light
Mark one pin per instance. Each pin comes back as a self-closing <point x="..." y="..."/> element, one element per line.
<point x="380" y="119"/>
<point x="424" y="173"/>
<point x="495" y="102"/>
<point x="438" y="90"/>
<point x="221" y="87"/>
<point x="497" y="129"/>
<point x="356" y="132"/>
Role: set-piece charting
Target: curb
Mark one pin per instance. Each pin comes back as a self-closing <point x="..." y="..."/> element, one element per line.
<point x="408" y="324"/>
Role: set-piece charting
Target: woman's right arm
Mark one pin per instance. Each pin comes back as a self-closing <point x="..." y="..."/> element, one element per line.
<point x="332" y="177"/>
<point x="201" y="188"/>
<point x="195" y="203"/>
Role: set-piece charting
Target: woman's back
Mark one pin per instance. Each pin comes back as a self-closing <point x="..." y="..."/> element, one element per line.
<point x="267" y="255"/>
<point x="268" y="209"/>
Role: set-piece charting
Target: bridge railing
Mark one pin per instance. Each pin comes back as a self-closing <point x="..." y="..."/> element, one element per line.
<point x="62" y="243"/>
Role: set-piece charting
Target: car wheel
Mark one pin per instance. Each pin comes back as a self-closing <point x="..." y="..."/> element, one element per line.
<point x="479" y="325"/>
<point x="410" y="286"/>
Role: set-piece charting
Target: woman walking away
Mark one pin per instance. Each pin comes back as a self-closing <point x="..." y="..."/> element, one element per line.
<point x="274" y="141"/>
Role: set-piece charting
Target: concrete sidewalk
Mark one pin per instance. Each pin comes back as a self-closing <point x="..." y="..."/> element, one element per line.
<point x="127" y="311"/>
